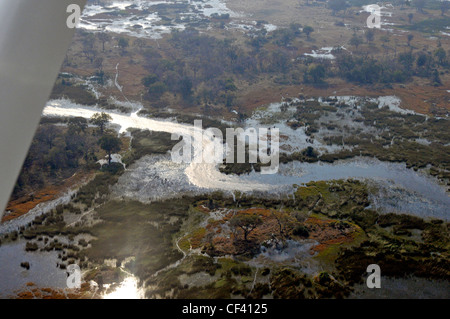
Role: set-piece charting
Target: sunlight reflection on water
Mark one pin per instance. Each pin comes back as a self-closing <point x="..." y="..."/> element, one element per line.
<point x="128" y="289"/>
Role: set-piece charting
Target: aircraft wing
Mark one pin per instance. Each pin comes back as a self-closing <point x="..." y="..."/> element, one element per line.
<point x="34" y="38"/>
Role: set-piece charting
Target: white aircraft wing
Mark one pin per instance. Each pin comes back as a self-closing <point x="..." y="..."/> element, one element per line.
<point x="34" y="38"/>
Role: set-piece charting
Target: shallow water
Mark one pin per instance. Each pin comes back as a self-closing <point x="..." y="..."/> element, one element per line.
<point x="142" y="19"/>
<point x="291" y="252"/>
<point x="404" y="288"/>
<point x="401" y="189"/>
<point x="43" y="271"/>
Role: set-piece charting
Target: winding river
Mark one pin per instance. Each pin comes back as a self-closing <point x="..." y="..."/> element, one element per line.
<point x="398" y="189"/>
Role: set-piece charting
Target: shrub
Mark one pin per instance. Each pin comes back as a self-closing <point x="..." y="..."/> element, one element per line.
<point x="31" y="246"/>
<point x="25" y="265"/>
<point x="301" y="231"/>
<point x="82" y="242"/>
<point x="241" y="270"/>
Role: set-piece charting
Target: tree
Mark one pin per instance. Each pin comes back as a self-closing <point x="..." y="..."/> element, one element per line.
<point x="110" y="144"/>
<point x="355" y="41"/>
<point x="385" y="38"/>
<point x="419" y="4"/>
<point x="435" y="78"/>
<point x="123" y="43"/>
<point x="295" y="28"/>
<point x="337" y="5"/>
<point x="104" y="37"/>
<point x="47" y="134"/>
<point x="246" y="222"/>
<point x="228" y="85"/>
<point x="444" y="7"/>
<point x="308" y="30"/>
<point x="301" y="230"/>
<point x="310" y="152"/>
<point x="283" y="37"/>
<point x="186" y="86"/>
<point x="315" y="74"/>
<point x="280" y="61"/>
<point x="89" y="51"/>
<point x="406" y="59"/>
<point x="370" y="35"/>
<point x="139" y="43"/>
<point x="77" y="125"/>
<point x="149" y="80"/>
<point x="440" y="55"/>
<point x="98" y="63"/>
<point x="422" y="60"/>
<point x="100" y="120"/>
<point x="100" y="74"/>
<point x="258" y="41"/>
<point x="157" y="89"/>
<point x="409" y="38"/>
<point x="284" y="222"/>
<point x="75" y="147"/>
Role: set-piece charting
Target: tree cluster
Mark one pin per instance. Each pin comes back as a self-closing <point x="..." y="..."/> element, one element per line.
<point x="205" y="69"/>
<point x="57" y="151"/>
<point x="367" y="70"/>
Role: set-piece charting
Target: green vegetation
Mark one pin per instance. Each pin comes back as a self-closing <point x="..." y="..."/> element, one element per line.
<point x="339" y="5"/>
<point x="132" y="229"/>
<point x="123" y="43"/>
<point x="56" y="153"/>
<point x="110" y="144"/>
<point x="370" y="70"/>
<point x="345" y="202"/>
<point x="395" y="139"/>
<point x="97" y="190"/>
<point x="430" y="25"/>
<point x="148" y="233"/>
<point x="206" y="68"/>
<point x="69" y="89"/>
<point x="246" y="222"/>
<point x="315" y="74"/>
<point x="397" y="257"/>
<point x="147" y="143"/>
<point x="101" y="120"/>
